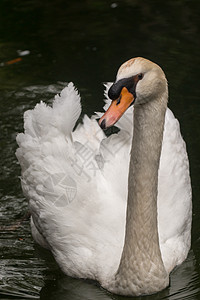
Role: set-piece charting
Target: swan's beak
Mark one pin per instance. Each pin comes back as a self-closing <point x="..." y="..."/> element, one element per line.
<point x="116" y="109"/>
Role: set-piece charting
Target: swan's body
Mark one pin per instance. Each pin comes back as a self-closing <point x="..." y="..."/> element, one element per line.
<point x="77" y="186"/>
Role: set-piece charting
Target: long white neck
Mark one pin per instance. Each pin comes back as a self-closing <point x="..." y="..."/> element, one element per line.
<point x="141" y="269"/>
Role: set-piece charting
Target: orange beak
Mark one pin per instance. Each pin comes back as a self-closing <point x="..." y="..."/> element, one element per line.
<point x="116" y="109"/>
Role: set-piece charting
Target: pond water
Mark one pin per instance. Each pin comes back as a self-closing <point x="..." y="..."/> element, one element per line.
<point x="85" y="42"/>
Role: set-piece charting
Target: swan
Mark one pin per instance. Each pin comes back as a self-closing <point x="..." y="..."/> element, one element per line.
<point x="114" y="209"/>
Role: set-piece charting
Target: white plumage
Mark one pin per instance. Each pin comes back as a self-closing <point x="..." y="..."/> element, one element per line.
<point x="77" y="184"/>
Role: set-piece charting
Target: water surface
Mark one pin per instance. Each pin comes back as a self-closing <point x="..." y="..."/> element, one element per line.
<point x="85" y="42"/>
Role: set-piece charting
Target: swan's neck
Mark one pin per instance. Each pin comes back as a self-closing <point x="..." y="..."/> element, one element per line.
<point x="141" y="269"/>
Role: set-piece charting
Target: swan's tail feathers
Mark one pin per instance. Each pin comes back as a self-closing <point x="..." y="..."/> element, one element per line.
<point x="45" y="121"/>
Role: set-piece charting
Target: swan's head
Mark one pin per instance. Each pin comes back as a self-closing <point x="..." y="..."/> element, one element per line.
<point x="138" y="82"/>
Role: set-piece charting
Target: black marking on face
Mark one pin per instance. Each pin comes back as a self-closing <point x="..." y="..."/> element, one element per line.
<point x="130" y="83"/>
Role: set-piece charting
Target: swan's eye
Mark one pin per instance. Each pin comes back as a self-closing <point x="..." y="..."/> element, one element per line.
<point x="140" y="76"/>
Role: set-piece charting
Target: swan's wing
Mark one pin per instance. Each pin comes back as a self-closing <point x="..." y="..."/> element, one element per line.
<point x="53" y="157"/>
<point x="46" y="121"/>
<point x="46" y="154"/>
<point x="45" y="147"/>
<point x="174" y="195"/>
<point x="65" y="177"/>
<point x="55" y="166"/>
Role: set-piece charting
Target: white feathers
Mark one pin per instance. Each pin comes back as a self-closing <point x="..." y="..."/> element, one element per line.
<point x="44" y="120"/>
<point x="77" y="188"/>
<point x="67" y="102"/>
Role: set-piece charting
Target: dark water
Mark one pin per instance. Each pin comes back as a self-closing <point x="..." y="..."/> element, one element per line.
<point x="85" y="42"/>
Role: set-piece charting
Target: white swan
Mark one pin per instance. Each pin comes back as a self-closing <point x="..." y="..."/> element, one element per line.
<point x="78" y="183"/>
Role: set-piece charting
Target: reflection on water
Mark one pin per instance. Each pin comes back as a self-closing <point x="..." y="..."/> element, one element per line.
<point x="183" y="285"/>
<point x="73" y="289"/>
<point x="85" y="42"/>
<point x="185" y="280"/>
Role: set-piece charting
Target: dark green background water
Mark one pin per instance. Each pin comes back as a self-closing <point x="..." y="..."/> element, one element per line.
<point x="85" y="42"/>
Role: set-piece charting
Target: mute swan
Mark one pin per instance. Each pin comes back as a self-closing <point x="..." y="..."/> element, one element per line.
<point x="78" y="183"/>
